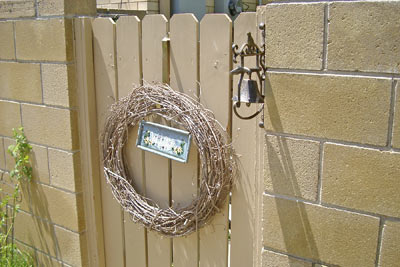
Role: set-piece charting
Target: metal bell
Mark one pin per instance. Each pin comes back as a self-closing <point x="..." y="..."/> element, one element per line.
<point x="249" y="92"/>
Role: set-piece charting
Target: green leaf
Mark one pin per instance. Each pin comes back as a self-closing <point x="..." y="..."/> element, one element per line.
<point x="10" y="255"/>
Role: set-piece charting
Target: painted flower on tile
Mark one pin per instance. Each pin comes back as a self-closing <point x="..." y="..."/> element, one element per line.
<point x="179" y="149"/>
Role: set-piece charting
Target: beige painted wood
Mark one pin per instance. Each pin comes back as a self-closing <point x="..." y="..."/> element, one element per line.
<point x="215" y="82"/>
<point x="106" y="93"/>
<point x="135" y="234"/>
<point x="154" y="29"/>
<point x="244" y="142"/>
<point x="89" y="149"/>
<point x="129" y="57"/>
<point x="129" y="66"/>
<point x="184" y="30"/>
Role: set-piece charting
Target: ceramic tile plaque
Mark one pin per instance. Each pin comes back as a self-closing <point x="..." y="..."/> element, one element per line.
<point x="164" y="141"/>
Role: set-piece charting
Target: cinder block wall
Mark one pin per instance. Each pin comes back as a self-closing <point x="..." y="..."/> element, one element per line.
<point x="37" y="91"/>
<point x="332" y="137"/>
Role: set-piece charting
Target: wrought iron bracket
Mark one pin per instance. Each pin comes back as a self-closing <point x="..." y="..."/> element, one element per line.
<point x="249" y="93"/>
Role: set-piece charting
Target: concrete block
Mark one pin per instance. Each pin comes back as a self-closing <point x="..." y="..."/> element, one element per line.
<point x="390" y="245"/>
<point x="329" y="106"/>
<point x="10" y="117"/>
<point x="17" y="9"/>
<point x="291" y="167"/>
<point x="44" y="40"/>
<point x="65" y="170"/>
<point x="20" y="81"/>
<point x="362" y="179"/>
<point x="329" y="235"/>
<point x="7" y="44"/>
<point x="51" y="126"/>
<point x="270" y="259"/>
<point x="294" y="35"/>
<point x="59" y="85"/>
<point x="364" y="36"/>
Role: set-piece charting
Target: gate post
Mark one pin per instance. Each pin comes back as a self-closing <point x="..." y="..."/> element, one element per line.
<point x="90" y="156"/>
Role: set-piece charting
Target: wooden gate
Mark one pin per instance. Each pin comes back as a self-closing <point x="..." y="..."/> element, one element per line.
<point x="111" y="57"/>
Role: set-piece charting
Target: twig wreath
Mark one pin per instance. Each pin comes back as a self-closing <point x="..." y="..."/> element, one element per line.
<point x="217" y="162"/>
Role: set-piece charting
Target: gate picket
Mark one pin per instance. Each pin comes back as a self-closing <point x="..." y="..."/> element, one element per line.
<point x="184" y="78"/>
<point x="130" y="72"/>
<point x="243" y="192"/>
<point x="216" y="95"/>
<point x="129" y="57"/>
<point x="154" y="29"/>
<point x="106" y="94"/>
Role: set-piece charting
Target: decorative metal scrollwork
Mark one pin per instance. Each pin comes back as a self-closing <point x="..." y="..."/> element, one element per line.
<point x="247" y="88"/>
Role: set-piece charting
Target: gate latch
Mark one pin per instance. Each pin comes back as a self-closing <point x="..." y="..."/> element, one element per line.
<point x="248" y="89"/>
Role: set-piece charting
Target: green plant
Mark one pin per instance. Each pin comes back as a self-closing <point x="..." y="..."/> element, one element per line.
<point x="10" y="254"/>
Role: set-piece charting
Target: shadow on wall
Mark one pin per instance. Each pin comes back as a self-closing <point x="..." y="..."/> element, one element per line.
<point x="32" y="230"/>
<point x="47" y="236"/>
<point x="42" y="230"/>
<point x="295" y="234"/>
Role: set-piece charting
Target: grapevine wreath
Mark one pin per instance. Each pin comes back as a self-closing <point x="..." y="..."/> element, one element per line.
<point x="217" y="162"/>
